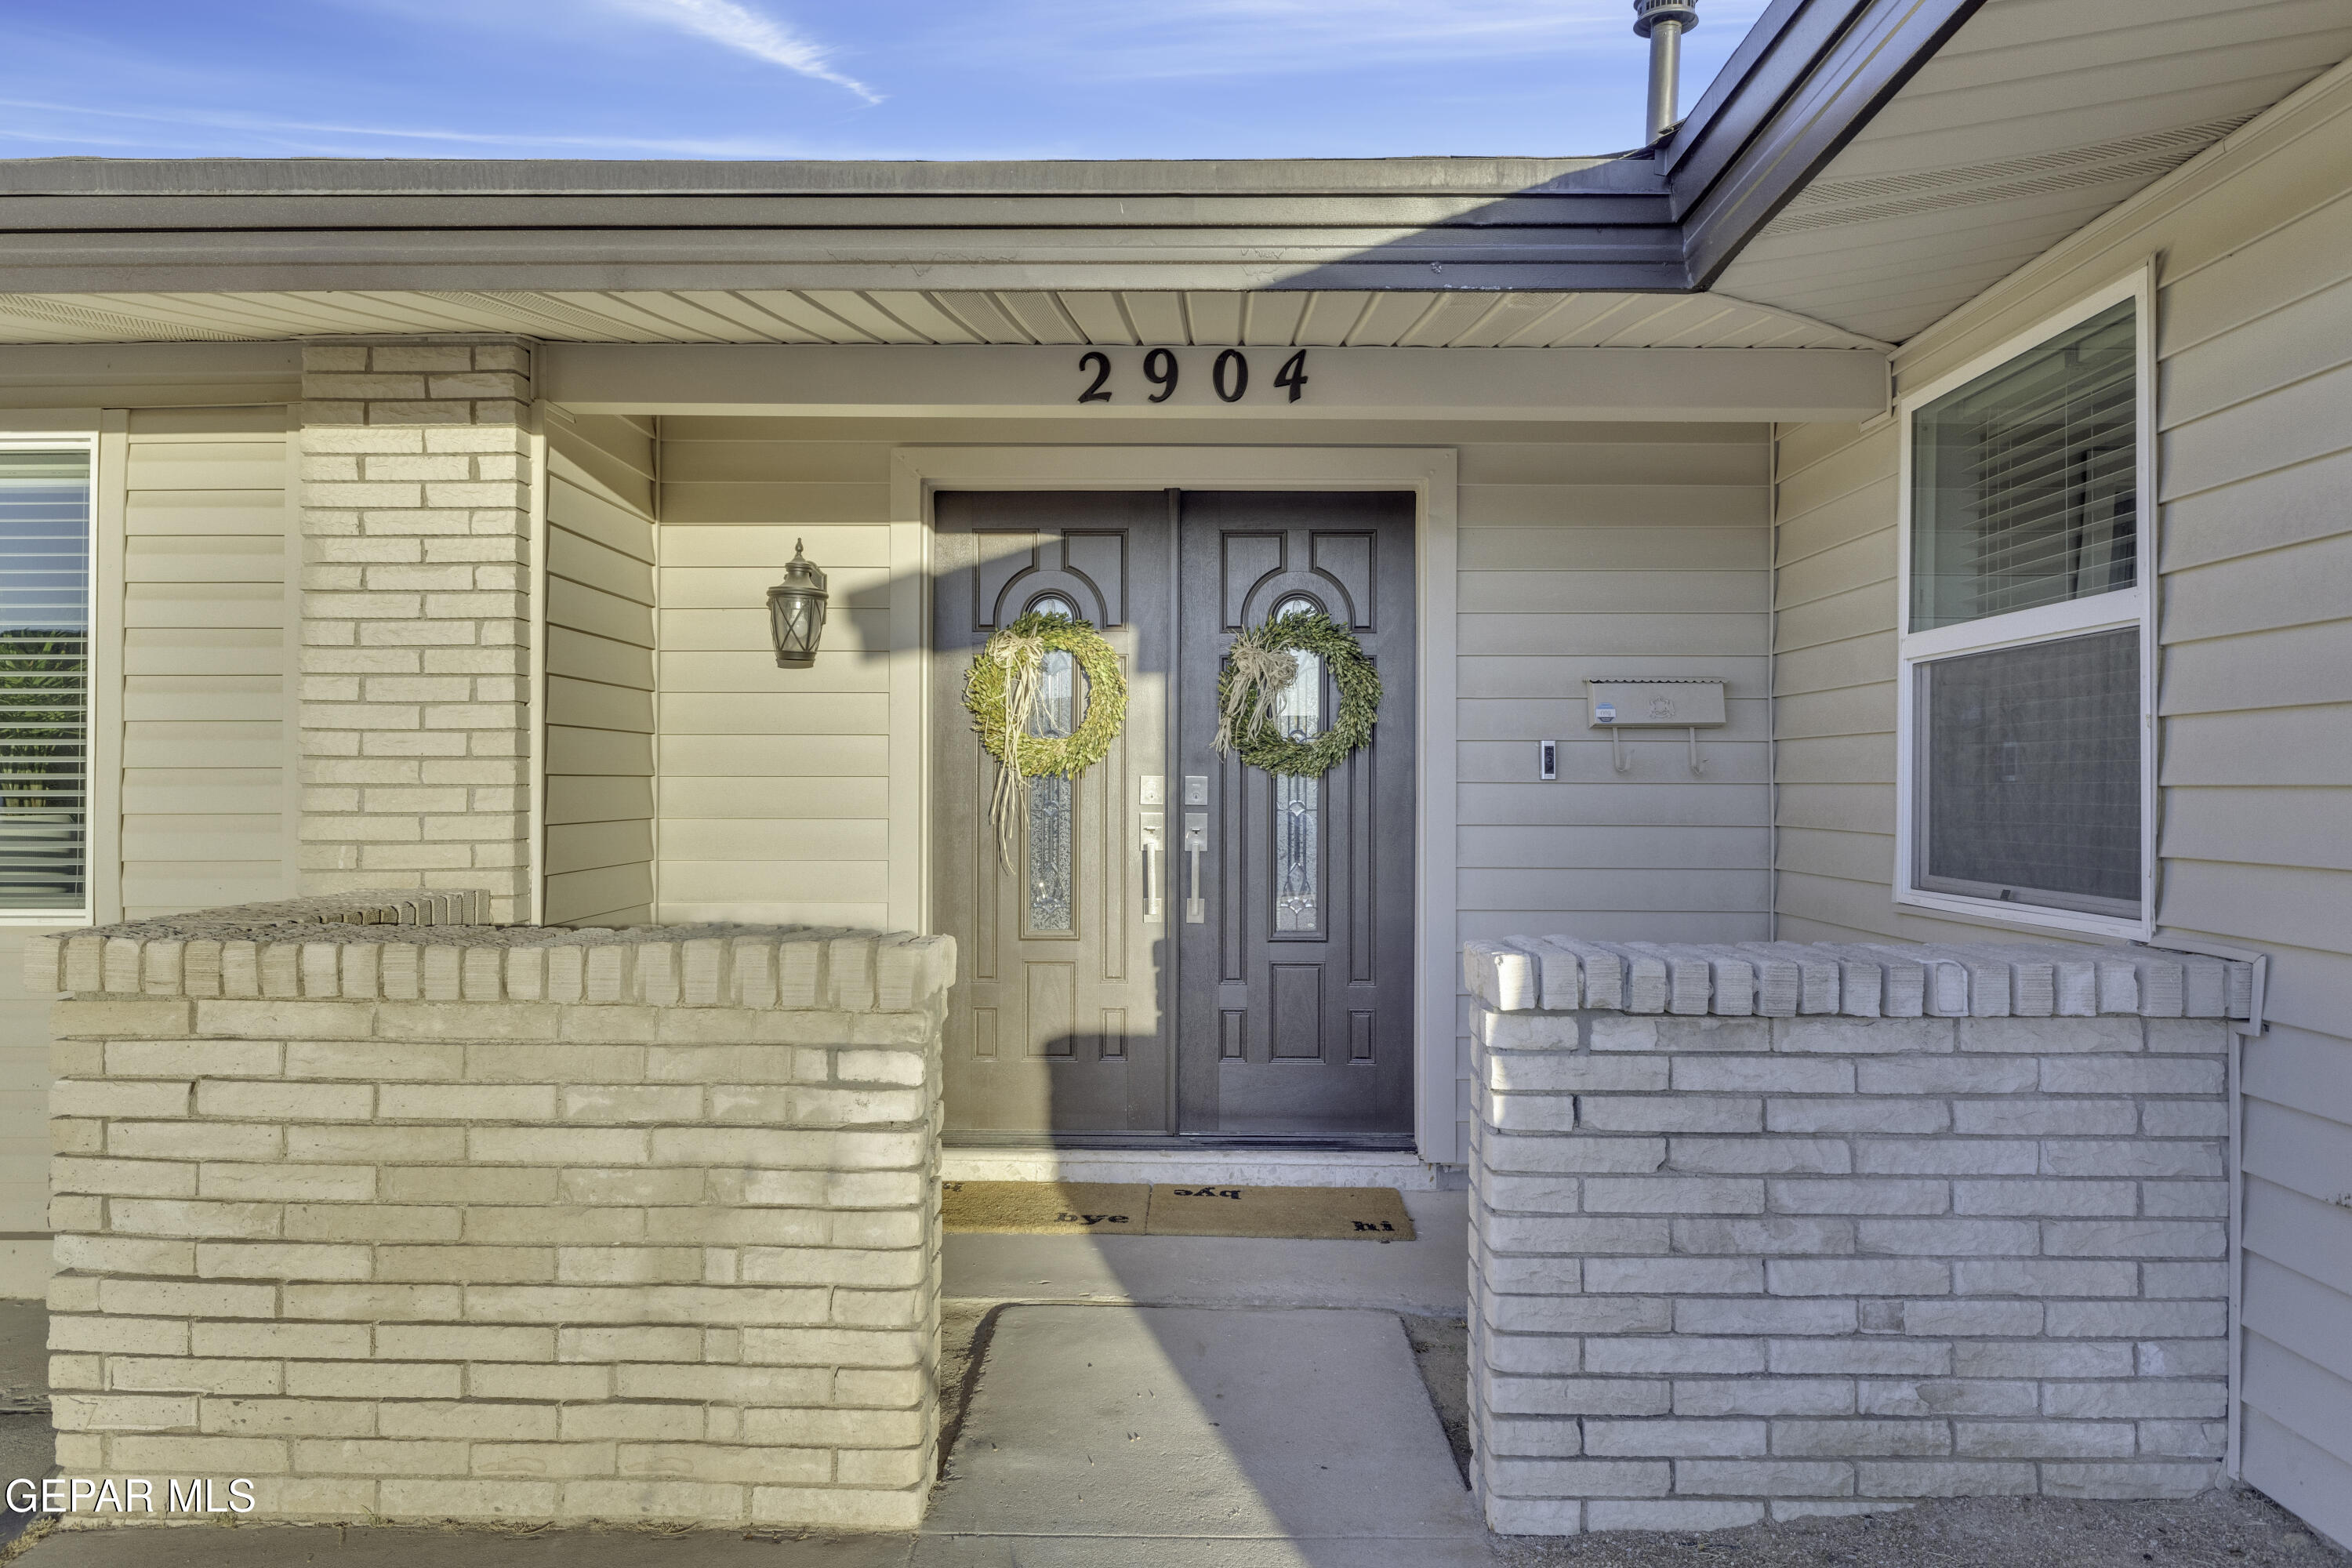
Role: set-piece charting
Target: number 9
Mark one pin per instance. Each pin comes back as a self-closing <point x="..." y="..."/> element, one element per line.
<point x="1160" y="370"/>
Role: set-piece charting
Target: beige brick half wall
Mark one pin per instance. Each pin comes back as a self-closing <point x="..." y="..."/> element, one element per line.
<point x="419" y="1221"/>
<point x="1799" y="1230"/>
<point x="416" y="654"/>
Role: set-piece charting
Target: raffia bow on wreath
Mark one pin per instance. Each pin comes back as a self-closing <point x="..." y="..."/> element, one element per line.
<point x="1260" y="676"/>
<point x="1249" y="689"/>
<point x="1001" y="689"/>
<point x="1022" y="660"/>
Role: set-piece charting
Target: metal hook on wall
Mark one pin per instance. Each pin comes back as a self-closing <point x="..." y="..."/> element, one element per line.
<point x="1617" y="757"/>
<point x="1697" y="763"/>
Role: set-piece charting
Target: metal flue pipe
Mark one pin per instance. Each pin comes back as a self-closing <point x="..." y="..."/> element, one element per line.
<point x="1663" y="22"/>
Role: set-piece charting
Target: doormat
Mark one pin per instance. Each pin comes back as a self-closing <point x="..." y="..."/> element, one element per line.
<point x="1310" y="1214"/>
<point x="1043" y="1208"/>
<point x="1049" y="1208"/>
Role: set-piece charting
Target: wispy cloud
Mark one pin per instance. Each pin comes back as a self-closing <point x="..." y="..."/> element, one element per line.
<point x="303" y="134"/>
<point x="746" y="31"/>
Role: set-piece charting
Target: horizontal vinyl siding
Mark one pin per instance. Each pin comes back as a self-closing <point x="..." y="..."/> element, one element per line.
<point x="600" y="672"/>
<point x="2255" y="334"/>
<point x="207" y="642"/>
<point x="1583" y="549"/>
<point x="23" y="1123"/>
<point x="775" y="784"/>
<point x="205" y="704"/>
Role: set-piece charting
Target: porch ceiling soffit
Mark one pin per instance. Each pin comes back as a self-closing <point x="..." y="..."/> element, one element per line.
<point x="1078" y="318"/>
<point x="114" y="234"/>
<point x="2035" y="117"/>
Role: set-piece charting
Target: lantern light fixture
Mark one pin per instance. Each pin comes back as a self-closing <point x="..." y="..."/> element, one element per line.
<point x="796" y="612"/>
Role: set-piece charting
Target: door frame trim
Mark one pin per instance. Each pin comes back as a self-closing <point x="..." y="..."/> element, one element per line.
<point x="1430" y="472"/>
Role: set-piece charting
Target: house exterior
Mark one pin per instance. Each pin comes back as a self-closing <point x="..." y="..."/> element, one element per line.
<point x="1959" y="387"/>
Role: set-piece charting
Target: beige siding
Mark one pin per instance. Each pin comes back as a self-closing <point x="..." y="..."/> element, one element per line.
<point x="1584" y="550"/>
<point x="24" y="1126"/>
<point x="207" y="642"/>
<point x="2254" y="329"/>
<point x="600" y="671"/>
<point x="196" y="571"/>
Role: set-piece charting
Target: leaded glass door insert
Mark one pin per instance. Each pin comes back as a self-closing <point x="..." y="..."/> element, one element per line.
<point x="1052" y="798"/>
<point x="1299" y="802"/>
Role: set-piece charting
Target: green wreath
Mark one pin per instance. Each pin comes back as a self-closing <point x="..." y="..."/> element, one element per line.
<point x="1009" y="665"/>
<point x="1000" y="689"/>
<point x="1260" y="665"/>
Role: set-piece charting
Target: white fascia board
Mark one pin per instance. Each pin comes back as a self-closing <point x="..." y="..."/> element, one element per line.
<point x="1650" y="384"/>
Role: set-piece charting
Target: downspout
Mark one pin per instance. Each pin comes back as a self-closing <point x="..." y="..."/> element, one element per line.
<point x="1663" y="22"/>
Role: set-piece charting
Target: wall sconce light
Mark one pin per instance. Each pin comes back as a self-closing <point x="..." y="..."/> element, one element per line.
<point x="796" y="612"/>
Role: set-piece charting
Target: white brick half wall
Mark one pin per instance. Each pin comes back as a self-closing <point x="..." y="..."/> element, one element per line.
<point x="410" y="1221"/>
<point x="1781" y="1230"/>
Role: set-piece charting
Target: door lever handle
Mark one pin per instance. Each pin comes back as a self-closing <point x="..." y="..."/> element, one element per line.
<point x="1154" y="837"/>
<point x="1196" y="838"/>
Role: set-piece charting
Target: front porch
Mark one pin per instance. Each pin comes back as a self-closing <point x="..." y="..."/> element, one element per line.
<point x="394" y="1215"/>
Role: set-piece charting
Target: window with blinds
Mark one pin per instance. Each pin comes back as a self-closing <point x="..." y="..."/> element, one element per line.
<point x="2025" y="716"/>
<point x="45" y="555"/>
<point x="2024" y="481"/>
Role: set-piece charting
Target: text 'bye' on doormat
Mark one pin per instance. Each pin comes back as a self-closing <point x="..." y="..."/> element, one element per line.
<point x="1105" y="1208"/>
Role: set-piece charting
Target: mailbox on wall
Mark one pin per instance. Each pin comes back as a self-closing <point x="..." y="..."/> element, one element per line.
<point x="1672" y="704"/>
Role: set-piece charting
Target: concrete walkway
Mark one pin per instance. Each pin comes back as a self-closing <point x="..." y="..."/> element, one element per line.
<point x="1271" y="1438"/>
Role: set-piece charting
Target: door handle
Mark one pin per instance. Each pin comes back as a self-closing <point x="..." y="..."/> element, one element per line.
<point x="1196" y="838"/>
<point x="1154" y="836"/>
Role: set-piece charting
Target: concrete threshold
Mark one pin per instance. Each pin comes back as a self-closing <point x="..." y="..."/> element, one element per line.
<point x="1424" y="1276"/>
<point x="1402" y="1170"/>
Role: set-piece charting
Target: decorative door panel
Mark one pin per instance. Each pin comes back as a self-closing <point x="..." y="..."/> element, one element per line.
<point x="1054" y="1024"/>
<point x="1296" y="988"/>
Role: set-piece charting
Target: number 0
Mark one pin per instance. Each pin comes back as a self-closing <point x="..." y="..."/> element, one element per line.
<point x="1240" y="364"/>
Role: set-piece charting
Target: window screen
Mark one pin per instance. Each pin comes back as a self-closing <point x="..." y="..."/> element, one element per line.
<point x="44" y="678"/>
<point x="2024" y="481"/>
<point x="2031" y="773"/>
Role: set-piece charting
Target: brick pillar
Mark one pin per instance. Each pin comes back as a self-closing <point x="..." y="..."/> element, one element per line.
<point x="415" y="617"/>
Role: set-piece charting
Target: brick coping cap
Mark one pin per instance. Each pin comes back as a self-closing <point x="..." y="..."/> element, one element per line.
<point x="412" y="946"/>
<point x="1854" y="980"/>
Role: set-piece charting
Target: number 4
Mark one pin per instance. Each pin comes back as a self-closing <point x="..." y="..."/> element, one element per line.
<point x="1293" y="374"/>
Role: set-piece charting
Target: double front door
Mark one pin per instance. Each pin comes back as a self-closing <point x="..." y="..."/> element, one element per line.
<point x="1173" y="943"/>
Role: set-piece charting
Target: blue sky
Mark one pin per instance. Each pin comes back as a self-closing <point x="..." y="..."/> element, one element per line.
<point x="834" y="79"/>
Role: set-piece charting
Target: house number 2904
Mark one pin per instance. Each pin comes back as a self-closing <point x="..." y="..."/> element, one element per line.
<point x="1229" y="376"/>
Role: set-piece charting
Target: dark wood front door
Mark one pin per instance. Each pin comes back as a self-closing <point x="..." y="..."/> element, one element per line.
<point x="1276" y="1005"/>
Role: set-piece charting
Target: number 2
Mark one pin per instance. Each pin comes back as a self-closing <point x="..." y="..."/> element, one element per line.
<point x="1101" y="362"/>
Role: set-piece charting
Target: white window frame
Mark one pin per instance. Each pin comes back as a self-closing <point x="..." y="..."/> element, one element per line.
<point x="20" y="440"/>
<point x="2045" y="623"/>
